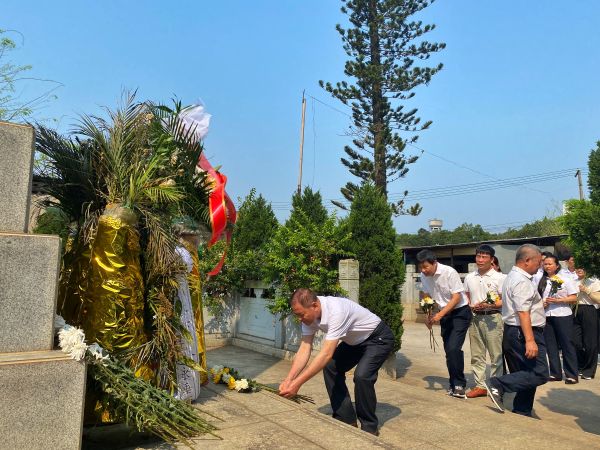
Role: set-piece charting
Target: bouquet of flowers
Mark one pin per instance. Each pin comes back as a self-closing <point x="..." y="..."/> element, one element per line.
<point x="234" y="381"/>
<point x="555" y="284"/>
<point x="491" y="298"/>
<point x="427" y="304"/>
<point x="137" y="401"/>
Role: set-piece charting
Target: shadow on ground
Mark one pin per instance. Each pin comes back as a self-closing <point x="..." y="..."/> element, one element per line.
<point x="402" y="365"/>
<point x="385" y="412"/>
<point x="582" y="404"/>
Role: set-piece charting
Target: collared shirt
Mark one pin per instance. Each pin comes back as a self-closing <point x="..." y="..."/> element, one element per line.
<point x="442" y="284"/>
<point x="593" y="284"/>
<point x="343" y="319"/>
<point x="520" y="295"/>
<point x="478" y="286"/>
<point x="566" y="273"/>
<point x="560" y="309"/>
<point x="537" y="277"/>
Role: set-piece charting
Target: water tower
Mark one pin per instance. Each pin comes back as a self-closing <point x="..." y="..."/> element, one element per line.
<point x="435" y="225"/>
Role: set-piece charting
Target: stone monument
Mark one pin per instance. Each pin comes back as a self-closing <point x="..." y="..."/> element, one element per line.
<point x="41" y="389"/>
<point x="349" y="279"/>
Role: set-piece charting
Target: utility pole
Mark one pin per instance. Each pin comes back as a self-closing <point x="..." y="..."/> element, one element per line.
<point x="578" y="175"/>
<point x="301" y="143"/>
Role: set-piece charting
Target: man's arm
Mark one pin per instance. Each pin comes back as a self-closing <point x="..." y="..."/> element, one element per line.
<point x="317" y="364"/>
<point x="454" y="300"/>
<point x="300" y="360"/>
<point x="531" y="348"/>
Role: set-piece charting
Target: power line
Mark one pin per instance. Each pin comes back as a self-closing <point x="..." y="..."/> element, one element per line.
<point x="463" y="189"/>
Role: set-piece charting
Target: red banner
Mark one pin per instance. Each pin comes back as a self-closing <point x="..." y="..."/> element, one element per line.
<point x="222" y="210"/>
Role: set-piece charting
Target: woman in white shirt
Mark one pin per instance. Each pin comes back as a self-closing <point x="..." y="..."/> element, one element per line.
<point x="586" y="325"/>
<point x="559" y="321"/>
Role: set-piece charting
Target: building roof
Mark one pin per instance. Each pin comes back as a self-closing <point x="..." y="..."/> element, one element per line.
<point x="526" y="240"/>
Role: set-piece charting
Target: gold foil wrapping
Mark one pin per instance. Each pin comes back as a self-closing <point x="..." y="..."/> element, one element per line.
<point x="112" y="297"/>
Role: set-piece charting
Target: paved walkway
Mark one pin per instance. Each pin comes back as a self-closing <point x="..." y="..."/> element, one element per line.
<point x="414" y="410"/>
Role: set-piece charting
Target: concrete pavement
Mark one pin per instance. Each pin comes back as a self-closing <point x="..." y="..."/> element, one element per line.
<point x="414" y="411"/>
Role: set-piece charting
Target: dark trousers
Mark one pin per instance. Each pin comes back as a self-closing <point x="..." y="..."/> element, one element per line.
<point x="454" y="329"/>
<point x="559" y="332"/>
<point x="368" y="357"/>
<point x="525" y="374"/>
<point x="585" y="327"/>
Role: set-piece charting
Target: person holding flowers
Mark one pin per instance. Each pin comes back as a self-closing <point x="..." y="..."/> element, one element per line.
<point x="442" y="283"/>
<point x="558" y="294"/>
<point x="365" y="342"/>
<point x="484" y="291"/>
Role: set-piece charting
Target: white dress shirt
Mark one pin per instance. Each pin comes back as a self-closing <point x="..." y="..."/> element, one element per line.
<point x="560" y="309"/>
<point x="592" y="285"/>
<point x="518" y="294"/>
<point x="442" y="284"/>
<point x="343" y="319"/>
<point x="566" y="273"/>
<point x="477" y="285"/>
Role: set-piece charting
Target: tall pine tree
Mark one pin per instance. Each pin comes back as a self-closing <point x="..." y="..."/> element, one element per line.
<point x="383" y="44"/>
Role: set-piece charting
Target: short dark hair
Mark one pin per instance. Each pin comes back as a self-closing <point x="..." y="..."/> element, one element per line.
<point x="304" y="296"/>
<point x="426" y="256"/>
<point x="546" y="254"/>
<point x="485" y="249"/>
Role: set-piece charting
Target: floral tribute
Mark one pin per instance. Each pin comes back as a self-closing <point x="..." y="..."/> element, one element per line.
<point x="235" y="381"/>
<point x="491" y="298"/>
<point x="555" y="284"/>
<point x="141" y="404"/>
<point x="427" y="305"/>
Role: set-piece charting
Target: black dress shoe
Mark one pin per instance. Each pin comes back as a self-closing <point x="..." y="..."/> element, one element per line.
<point x="571" y="381"/>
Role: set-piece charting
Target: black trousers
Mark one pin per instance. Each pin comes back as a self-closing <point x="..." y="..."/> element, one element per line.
<point x="559" y="332"/>
<point x="454" y="329"/>
<point x="525" y="374"/>
<point x="585" y="327"/>
<point x="368" y="357"/>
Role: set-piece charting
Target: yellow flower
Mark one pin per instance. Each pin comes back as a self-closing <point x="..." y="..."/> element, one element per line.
<point x="231" y="384"/>
<point x="556" y="279"/>
<point x="217" y="378"/>
<point x="226" y="370"/>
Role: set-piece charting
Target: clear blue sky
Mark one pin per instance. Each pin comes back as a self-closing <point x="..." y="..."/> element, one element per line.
<point x="518" y="94"/>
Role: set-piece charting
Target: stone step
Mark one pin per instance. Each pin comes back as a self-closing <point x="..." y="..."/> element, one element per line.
<point x="41" y="400"/>
<point x="16" y="165"/>
<point x="29" y="268"/>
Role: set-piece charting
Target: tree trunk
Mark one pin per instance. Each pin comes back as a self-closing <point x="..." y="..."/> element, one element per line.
<point x="378" y="127"/>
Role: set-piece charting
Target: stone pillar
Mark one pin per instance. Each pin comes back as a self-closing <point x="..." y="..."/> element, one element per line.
<point x="41" y="389"/>
<point x="348" y="276"/>
<point x="410" y="293"/>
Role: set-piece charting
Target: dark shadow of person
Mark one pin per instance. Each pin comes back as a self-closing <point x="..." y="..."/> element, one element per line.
<point x="582" y="404"/>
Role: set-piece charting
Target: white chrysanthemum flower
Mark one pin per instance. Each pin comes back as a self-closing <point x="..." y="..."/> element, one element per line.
<point x="78" y="351"/>
<point x="69" y="336"/>
<point x="241" y="385"/>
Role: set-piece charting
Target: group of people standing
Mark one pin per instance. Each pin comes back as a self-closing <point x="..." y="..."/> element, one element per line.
<point x="523" y="320"/>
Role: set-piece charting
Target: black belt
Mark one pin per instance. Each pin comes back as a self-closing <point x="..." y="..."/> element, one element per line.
<point x="540" y="329"/>
<point x="486" y="313"/>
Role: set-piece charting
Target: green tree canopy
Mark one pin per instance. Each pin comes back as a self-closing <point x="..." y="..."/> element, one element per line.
<point x="311" y="203"/>
<point x="384" y="43"/>
<point x="256" y="223"/>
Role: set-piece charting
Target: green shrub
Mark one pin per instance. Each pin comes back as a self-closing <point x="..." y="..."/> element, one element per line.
<point x="381" y="269"/>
